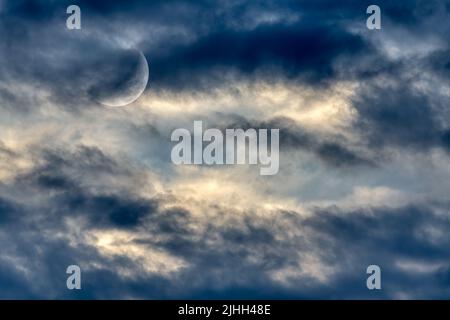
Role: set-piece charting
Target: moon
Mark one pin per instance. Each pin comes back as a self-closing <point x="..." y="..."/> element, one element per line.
<point x="124" y="79"/>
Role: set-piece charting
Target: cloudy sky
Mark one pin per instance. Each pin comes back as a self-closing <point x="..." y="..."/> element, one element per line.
<point x="364" y="173"/>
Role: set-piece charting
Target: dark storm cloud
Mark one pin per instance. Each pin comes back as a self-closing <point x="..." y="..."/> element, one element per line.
<point x="400" y="116"/>
<point x="119" y="211"/>
<point x="346" y="241"/>
<point x="337" y="155"/>
<point x="28" y="229"/>
<point x="45" y="258"/>
<point x="172" y="230"/>
<point x="72" y="73"/>
<point x="109" y="207"/>
<point x="300" y="50"/>
<point x="233" y="251"/>
<point x="352" y="240"/>
<point x="37" y="48"/>
<point x="394" y="109"/>
<point x="384" y="237"/>
<point x="42" y="51"/>
<point x="332" y="150"/>
<point x="397" y="115"/>
<point x="86" y="160"/>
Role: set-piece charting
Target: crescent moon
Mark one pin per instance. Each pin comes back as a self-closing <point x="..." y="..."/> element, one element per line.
<point x="130" y="89"/>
